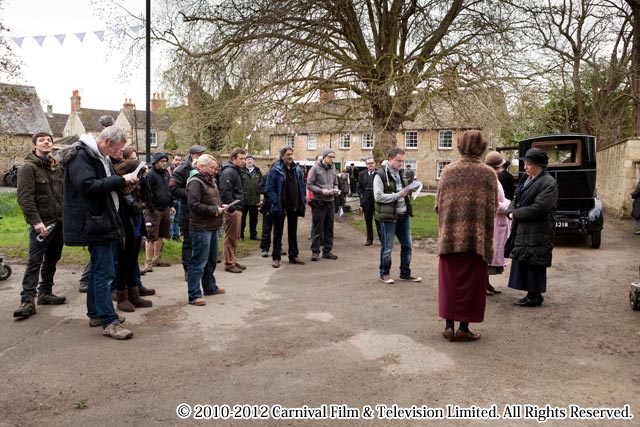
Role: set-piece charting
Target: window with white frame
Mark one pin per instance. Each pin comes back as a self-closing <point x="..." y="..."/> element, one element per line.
<point x="345" y="140"/>
<point x="445" y="139"/>
<point x="411" y="139"/>
<point x="412" y="163"/>
<point x="154" y="138"/>
<point x="288" y="140"/>
<point x="440" y="165"/>
<point x="367" y="141"/>
<point x="312" y="141"/>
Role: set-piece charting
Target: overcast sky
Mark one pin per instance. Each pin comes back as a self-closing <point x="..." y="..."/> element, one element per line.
<point x="92" y="66"/>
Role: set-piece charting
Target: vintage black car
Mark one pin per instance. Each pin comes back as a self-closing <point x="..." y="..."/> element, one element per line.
<point x="572" y="162"/>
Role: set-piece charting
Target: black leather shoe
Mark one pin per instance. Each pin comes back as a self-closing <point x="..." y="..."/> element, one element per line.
<point x="296" y="260"/>
<point x="369" y="243"/>
<point x="528" y="302"/>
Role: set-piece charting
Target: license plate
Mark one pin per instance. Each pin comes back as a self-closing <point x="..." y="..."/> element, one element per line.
<point x="562" y="224"/>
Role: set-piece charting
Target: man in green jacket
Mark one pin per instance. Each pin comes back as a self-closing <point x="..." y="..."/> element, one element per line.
<point x="40" y="182"/>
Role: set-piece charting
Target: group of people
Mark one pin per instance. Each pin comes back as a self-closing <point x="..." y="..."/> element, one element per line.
<point x="479" y="227"/>
<point x="110" y="203"/>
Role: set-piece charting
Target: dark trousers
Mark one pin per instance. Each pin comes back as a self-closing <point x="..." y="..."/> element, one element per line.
<point x="43" y="257"/>
<point x="252" y="210"/>
<point x="127" y="260"/>
<point x="322" y="218"/>
<point x="186" y="237"/>
<point x="292" y="231"/>
<point x="267" y="226"/>
<point x="368" y="220"/>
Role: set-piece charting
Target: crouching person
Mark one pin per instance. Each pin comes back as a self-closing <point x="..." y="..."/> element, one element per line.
<point x="205" y="218"/>
<point x="90" y="218"/>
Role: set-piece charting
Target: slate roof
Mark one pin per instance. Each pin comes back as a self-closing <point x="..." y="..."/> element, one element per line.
<point x="20" y="110"/>
<point x="90" y="118"/>
<point x="57" y="121"/>
<point x="159" y="121"/>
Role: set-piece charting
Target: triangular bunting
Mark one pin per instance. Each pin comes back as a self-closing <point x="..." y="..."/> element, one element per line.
<point x="39" y="39"/>
<point x="135" y="29"/>
<point x="117" y="31"/>
<point x="99" y="35"/>
<point x="80" y="36"/>
<point x="60" y="37"/>
<point x="18" y="40"/>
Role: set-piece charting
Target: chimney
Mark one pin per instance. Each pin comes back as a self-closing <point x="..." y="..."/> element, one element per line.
<point x="128" y="105"/>
<point x="75" y="101"/>
<point x="49" y="110"/>
<point x="158" y="102"/>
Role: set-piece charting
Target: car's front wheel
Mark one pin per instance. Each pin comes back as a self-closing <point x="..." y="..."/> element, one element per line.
<point x="596" y="238"/>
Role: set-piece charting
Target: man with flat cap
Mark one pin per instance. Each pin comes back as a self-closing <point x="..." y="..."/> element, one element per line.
<point x="323" y="183"/>
<point x="177" y="186"/>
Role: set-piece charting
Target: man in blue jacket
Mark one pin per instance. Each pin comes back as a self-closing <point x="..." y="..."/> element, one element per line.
<point x="90" y="218"/>
<point x="285" y="191"/>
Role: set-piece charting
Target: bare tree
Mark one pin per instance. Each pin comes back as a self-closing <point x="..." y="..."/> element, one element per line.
<point x="588" y="48"/>
<point x="391" y="55"/>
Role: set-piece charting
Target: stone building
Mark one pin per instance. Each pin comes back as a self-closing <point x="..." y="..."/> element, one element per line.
<point x="20" y="117"/>
<point x="429" y="140"/>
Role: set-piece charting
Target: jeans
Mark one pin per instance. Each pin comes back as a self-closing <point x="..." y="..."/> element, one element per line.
<point x="292" y="234"/>
<point x="204" y="257"/>
<point x="252" y="210"/>
<point x="43" y="257"/>
<point x="186" y="238"/>
<point x="322" y="218"/>
<point x="401" y="229"/>
<point x="175" y="220"/>
<point x="102" y="274"/>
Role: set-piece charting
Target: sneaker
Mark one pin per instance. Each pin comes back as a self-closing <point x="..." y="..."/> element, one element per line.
<point x="27" y="308"/>
<point x="241" y="267"/>
<point x="233" y="269"/>
<point x="117" y="332"/>
<point x="265" y="254"/>
<point x="386" y="279"/>
<point x="199" y="302"/>
<point x="329" y="255"/>
<point x="411" y="279"/>
<point x="95" y="321"/>
<point x="315" y="257"/>
<point x="158" y="262"/>
<point x="50" y="299"/>
<point x="83" y="287"/>
<point x="148" y="267"/>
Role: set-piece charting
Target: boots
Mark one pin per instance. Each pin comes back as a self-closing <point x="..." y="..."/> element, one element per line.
<point x="27" y="308"/>
<point x="134" y="298"/>
<point x="146" y="291"/>
<point x="123" y="301"/>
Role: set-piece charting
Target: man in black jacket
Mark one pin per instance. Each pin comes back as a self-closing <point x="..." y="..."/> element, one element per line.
<point x="158" y="214"/>
<point x="230" y="192"/>
<point x="365" y="193"/>
<point x="91" y="204"/>
<point x="178" y="188"/>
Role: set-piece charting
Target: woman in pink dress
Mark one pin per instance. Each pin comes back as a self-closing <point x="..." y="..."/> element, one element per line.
<point x="501" y="223"/>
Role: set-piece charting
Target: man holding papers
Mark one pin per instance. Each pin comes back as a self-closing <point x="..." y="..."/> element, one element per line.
<point x="392" y="210"/>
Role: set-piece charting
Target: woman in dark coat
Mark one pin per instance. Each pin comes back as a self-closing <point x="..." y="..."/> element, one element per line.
<point x="635" y="209"/>
<point x="466" y="203"/>
<point x="533" y="212"/>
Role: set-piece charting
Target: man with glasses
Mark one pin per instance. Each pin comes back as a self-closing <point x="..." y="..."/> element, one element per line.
<point x="365" y="193"/>
<point x="323" y="183"/>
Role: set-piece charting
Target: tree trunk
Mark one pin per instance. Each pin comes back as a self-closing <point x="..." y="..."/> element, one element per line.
<point x="579" y="96"/>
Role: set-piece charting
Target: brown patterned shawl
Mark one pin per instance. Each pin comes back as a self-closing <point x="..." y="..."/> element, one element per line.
<point x="466" y="203"/>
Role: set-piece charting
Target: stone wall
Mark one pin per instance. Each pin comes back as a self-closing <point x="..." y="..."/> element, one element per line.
<point x="618" y="174"/>
<point x="13" y="150"/>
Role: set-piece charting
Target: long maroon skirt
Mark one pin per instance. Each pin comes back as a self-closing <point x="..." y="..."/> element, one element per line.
<point x="462" y="287"/>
